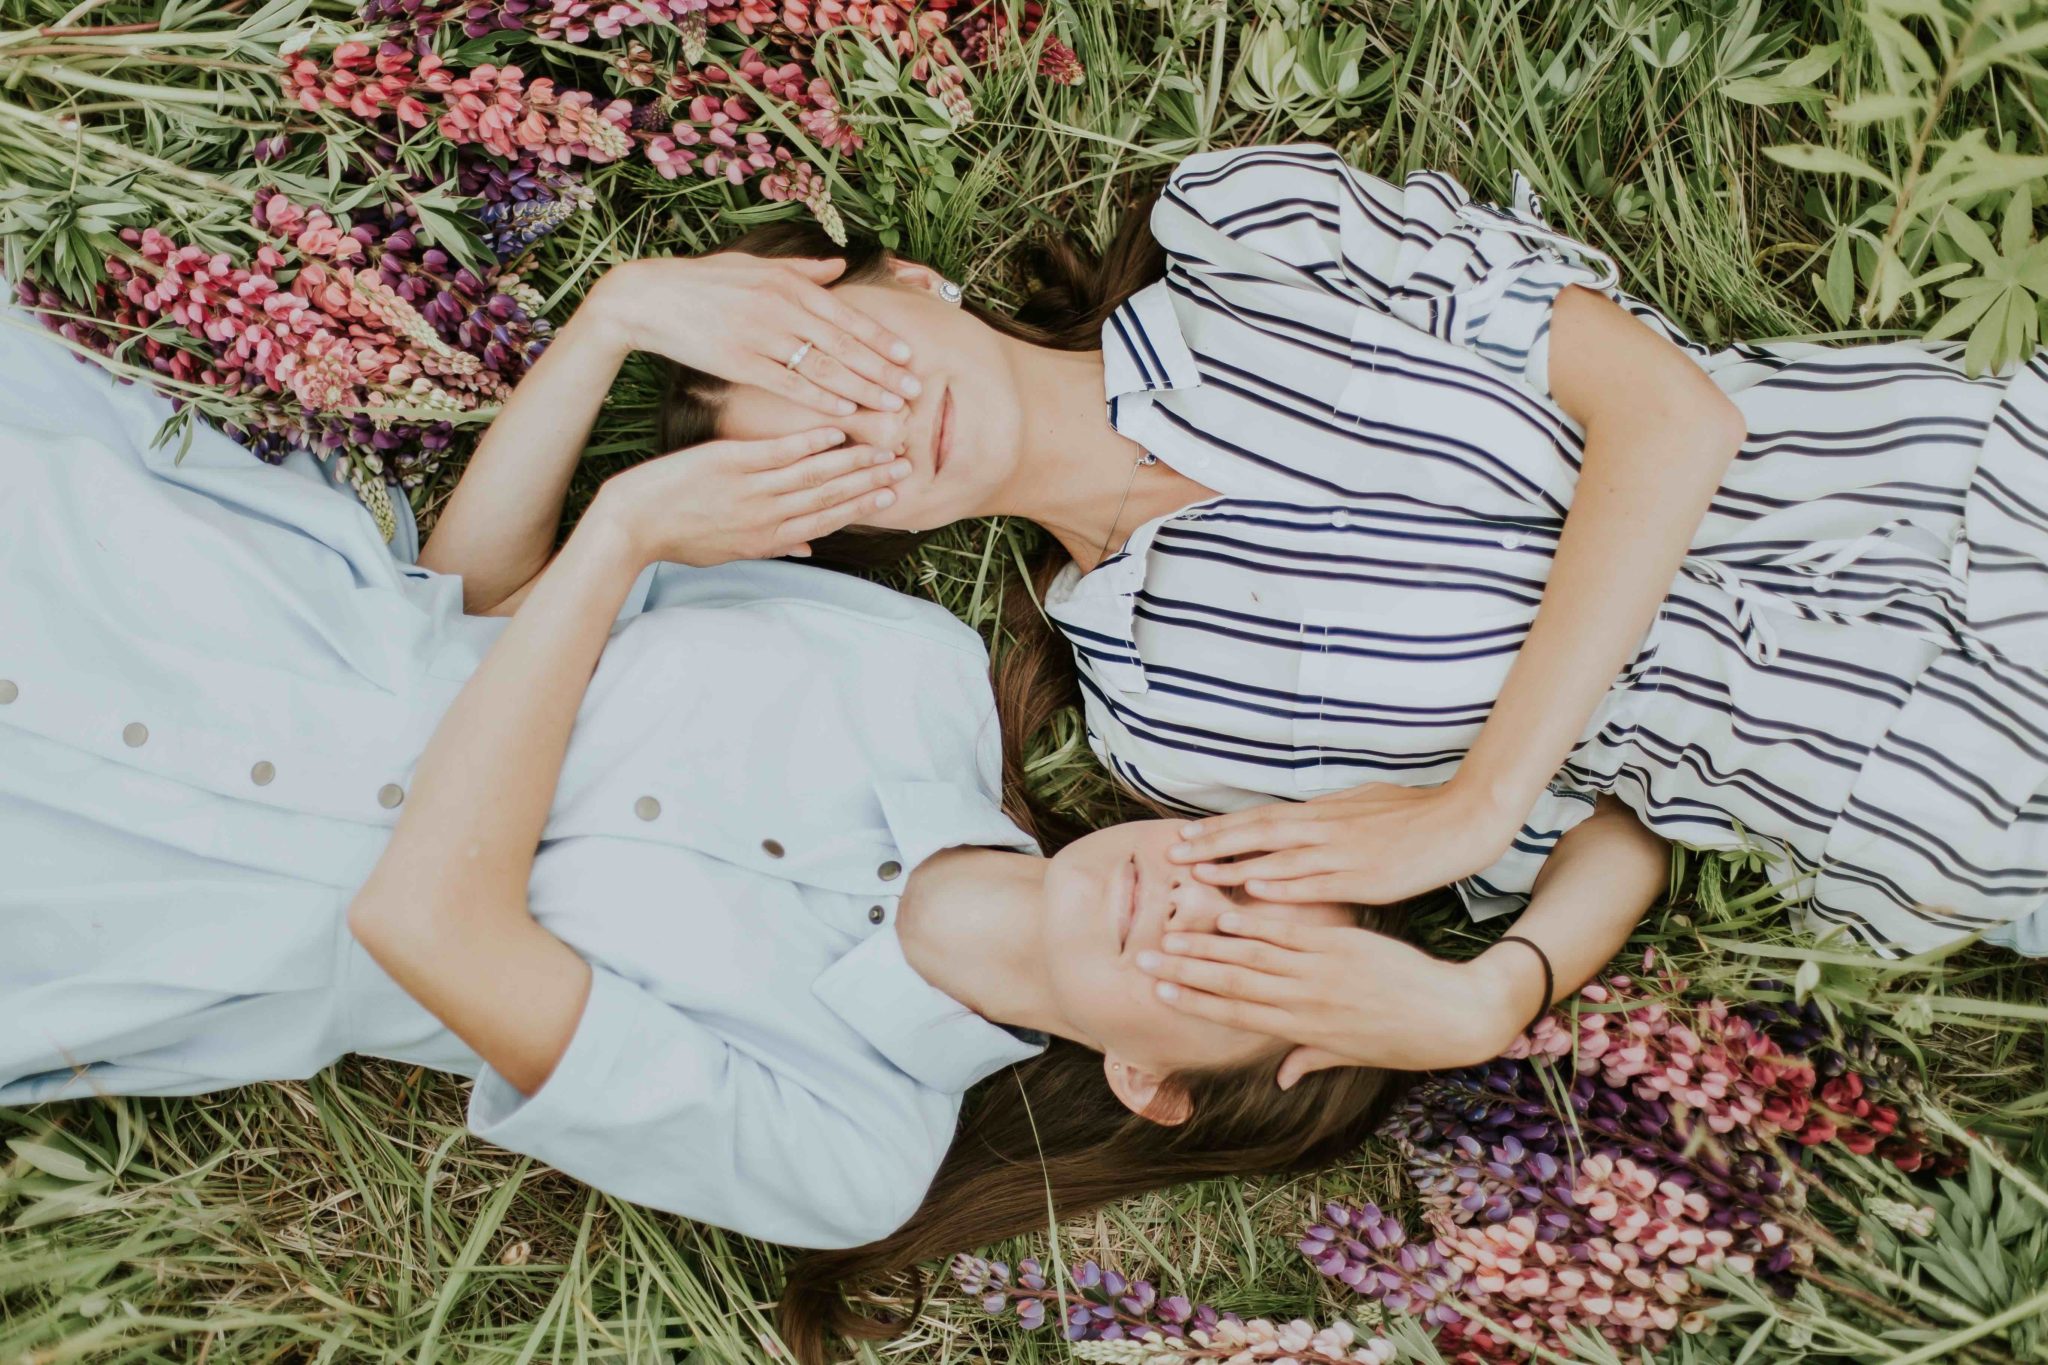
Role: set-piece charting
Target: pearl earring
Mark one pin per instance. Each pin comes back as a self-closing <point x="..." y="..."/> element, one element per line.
<point x="949" y="291"/>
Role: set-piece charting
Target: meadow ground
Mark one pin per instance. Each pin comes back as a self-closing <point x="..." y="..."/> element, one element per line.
<point x="347" y="1217"/>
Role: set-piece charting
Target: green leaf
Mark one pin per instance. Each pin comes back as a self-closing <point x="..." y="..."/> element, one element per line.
<point x="1964" y="232"/>
<point x="1876" y="108"/>
<point x="1838" y="293"/>
<point x="53" y="1160"/>
<point x="2019" y="221"/>
<point x="1826" y="161"/>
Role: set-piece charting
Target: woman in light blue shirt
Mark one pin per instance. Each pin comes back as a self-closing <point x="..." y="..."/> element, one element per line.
<point x="702" y="872"/>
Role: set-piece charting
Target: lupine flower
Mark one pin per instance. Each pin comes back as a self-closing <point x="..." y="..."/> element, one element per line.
<point x="1111" y="1318"/>
<point x="1676" y="1152"/>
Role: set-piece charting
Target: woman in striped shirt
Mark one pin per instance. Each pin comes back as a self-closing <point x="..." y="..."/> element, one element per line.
<point x="1398" y="507"/>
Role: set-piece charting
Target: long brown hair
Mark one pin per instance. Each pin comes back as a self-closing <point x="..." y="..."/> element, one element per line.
<point x="1048" y="1134"/>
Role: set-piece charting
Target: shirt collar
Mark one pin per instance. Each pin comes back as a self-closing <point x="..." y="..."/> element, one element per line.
<point x="925" y="1033"/>
<point x="1142" y="346"/>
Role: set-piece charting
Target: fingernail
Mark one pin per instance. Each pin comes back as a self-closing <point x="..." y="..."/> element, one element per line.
<point x="900" y="351"/>
<point x="1189" y="831"/>
<point x="884" y="498"/>
<point x="1230" y="919"/>
<point x="835" y="437"/>
<point x="891" y="401"/>
<point x="911" y="386"/>
<point x="1166" y="990"/>
<point x="880" y="456"/>
<point x="1148" y="961"/>
<point x="899" y="469"/>
<point x="1174" y="943"/>
<point x="1181" y="850"/>
<point x="846" y="407"/>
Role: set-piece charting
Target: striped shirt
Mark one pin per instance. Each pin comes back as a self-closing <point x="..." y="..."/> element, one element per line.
<point x="1850" y="674"/>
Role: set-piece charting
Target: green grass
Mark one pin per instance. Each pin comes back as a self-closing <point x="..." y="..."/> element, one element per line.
<point x="347" y="1217"/>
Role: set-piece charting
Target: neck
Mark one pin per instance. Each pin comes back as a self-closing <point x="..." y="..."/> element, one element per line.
<point x="1076" y="475"/>
<point x="970" y="923"/>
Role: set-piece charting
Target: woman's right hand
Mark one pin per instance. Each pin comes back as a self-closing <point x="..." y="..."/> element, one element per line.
<point x="742" y="317"/>
<point x="727" y="500"/>
<point x="1346" y="996"/>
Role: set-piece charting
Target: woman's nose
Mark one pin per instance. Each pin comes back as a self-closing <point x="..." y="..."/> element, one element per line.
<point x="1191" y="906"/>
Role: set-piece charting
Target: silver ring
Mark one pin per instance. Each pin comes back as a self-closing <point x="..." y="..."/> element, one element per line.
<point x="797" y="357"/>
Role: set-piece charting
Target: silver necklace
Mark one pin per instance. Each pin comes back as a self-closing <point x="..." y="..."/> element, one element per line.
<point x="1144" y="459"/>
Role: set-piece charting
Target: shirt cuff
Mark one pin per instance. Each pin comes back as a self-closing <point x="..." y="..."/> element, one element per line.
<point x="499" y="1113"/>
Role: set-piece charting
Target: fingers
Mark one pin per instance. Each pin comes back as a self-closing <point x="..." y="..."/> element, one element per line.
<point x="1250" y="953"/>
<point x="1344" y="888"/>
<point x="851" y="506"/>
<point x="1293" y="862"/>
<point x="840" y="364"/>
<point x="1281" y="933"/>
<point x="859" y="341"/>
<point x="778" y="452"/>
<point x="816" y="471"/>
<point x="1261" y="830"/>
<point x="772" y="374"/>
<point x="1216" y="978"/>
<point x="1237" y="1014"/>
<point x="1303" y="1060"/>
<point x="822" y="495"/>
<point x="818" y="270"/>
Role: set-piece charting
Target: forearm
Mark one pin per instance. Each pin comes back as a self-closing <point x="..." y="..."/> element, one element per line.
<point x="445" y="909"/>
<point x="1592" y="892"/>
<point x="1659" y="439"/>
<point x="499" y="526"/>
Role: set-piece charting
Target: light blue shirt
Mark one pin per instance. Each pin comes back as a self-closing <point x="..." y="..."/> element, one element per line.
<point x="214" y="682"/>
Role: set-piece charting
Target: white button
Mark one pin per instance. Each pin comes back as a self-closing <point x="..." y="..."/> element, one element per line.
<point x="1340" y="518"/>
<point x="135" y="734"/>
<point x="1824" y="581"/>
<point x="647" y="808"/>
<point x="389" y="795"/>
<point x="263" y="773"/>
<point x="8" y="692"/>
<point x="1511" y="542"/>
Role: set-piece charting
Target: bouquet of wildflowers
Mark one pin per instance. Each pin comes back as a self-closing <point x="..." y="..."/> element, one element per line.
<point x="373" y="321"/>
<point x="1589" y="1181"/>
<point x="1586" y="1179"/>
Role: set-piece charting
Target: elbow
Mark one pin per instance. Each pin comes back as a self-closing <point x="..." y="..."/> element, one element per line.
<point x="1725" y="426"/>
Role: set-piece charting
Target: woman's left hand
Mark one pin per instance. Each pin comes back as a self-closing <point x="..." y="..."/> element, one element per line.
<point x="742" y="318"/>
<point x="1348" y="997"/>
<point x="1372" y="845"/>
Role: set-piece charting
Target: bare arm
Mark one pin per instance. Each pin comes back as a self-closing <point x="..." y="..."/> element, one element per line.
<point x="445" y="909"/>
<point x="499" y="526"/>
<point x="730" y="315"/>
<point x="1659" y="439"/>
<point x="1351" y="997"/>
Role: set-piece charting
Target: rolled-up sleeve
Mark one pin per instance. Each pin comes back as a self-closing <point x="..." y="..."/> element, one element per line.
<point x="652" y="1106"/>
<point x="1476" y="275"/>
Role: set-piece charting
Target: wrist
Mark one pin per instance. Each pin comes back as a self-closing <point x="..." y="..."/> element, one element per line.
<point x="1507" y="982"/>
<point x="608" y="535"/>
<point x="606" y="311"/>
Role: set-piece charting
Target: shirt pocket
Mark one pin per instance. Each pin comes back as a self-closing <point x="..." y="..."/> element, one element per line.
<point x="1400" y="693"/>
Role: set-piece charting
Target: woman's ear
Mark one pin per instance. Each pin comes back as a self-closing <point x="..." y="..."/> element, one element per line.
<point x="1147" y="1094"/>
<point x="915" y="276"/>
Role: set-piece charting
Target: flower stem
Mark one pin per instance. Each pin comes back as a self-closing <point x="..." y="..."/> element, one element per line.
<point x="24" y="114"/>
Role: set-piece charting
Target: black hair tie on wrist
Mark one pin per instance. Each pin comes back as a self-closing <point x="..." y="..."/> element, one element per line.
<point x="1549" y="978"/>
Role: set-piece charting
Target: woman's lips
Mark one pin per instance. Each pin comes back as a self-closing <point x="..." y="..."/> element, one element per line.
<point x="942" y="444"/>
